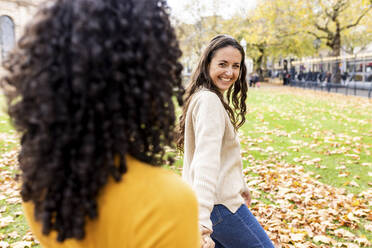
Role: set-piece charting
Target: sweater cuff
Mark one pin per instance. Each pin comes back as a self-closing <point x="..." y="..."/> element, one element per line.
<point x="204" y="230"/>
<point x="205" y="224"/>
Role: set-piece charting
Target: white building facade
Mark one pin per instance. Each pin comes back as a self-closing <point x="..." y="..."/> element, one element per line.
<point x="14" y="15"/>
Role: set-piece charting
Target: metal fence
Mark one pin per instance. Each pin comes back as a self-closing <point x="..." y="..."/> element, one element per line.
<point x="348" y="88"/>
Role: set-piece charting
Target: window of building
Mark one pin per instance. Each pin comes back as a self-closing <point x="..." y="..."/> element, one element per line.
<point x="7" y="36"/>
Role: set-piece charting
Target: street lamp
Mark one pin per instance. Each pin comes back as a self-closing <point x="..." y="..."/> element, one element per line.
<point x="243" y="43"/>
<point x="316" y="43"/>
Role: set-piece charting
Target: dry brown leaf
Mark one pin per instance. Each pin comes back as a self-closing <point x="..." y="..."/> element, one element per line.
<point x="13" y="235"/>
<point x="368" y="227"/>
<point x="351" y="245"/>
<point x="353" y="156"/>
<point x="322" y="238"/>
<point x="363" y="241"/>
<point x="4" y="244"/>
<point x="354" y="184"/>
<point x="22" y="244"/>
<point x="5" y="221"/>
<point x="342" y="233"/>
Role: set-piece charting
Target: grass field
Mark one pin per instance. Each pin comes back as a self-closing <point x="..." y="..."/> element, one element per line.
<point x="307" y="159"/>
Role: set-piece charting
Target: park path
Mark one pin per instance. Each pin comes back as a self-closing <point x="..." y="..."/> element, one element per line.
<point x="346" y="92"/>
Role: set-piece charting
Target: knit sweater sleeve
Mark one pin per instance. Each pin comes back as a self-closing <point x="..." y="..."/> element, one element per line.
<point x="209" y="126"/>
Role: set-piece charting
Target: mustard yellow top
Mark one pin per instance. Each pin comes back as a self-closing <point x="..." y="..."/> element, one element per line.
<point x="149" y="207"/>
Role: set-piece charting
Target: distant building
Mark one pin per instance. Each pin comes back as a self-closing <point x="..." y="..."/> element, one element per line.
<point x="14" y="15"/>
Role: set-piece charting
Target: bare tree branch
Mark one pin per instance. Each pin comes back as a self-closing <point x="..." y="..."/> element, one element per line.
<point x="281" y="35"/>
<point x="343" y="6"/>
<point x="316" y="35"/>
<point x="358" y="20"/>
<point x="324" y="29"/>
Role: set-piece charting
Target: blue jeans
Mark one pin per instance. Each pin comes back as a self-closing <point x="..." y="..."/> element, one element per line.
<point x="237" y="230"/>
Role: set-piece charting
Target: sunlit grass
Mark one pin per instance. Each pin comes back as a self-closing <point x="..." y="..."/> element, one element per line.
<point x="317" y="124"/>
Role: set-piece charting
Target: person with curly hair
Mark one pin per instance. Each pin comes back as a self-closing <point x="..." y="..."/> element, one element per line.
<point x="214" y="110"/>
<point x="90" y="87"/>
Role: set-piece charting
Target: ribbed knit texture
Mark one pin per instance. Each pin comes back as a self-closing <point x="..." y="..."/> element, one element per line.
<point x="212" y="164"/>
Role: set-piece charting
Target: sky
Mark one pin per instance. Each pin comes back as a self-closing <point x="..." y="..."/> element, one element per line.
<point x="227" y="7"/>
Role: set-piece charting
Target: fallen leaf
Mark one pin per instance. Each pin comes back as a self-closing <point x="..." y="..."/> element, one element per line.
<point x="342" y="233"/>
<point x="22" y="244"/>
<point x="13" y="235"/>
<point x="4" y="244"/>
<point x="5" y="221"/>
<point x="296" y="237"/>
<point x="322" y="238"/>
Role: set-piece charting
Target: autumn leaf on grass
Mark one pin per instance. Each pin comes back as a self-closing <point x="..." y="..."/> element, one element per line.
<point x="294" y="148"/>
<point x="343" y="167"/>
<point x="348" y="245"/>
<point x="324" y="239"/>
<point x="363" y="242"/>
<point x="4" y="244"/>
<point x="5" y="221"/>
<point x="14" y="200"/>
<point x="297" y="237"/>
<point x="22" y="244"/>
<point x="344" y="174"/>
<point x="29" y="237"/>
<point x="353" y="156"/>
<point x="342" y="233"/>
<point x="13" y="235"/>
<point x="368" y="227"/>
<point x="352" y="183"/>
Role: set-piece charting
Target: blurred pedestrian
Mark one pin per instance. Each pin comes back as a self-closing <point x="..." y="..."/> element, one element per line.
<point x="253" y="79"/>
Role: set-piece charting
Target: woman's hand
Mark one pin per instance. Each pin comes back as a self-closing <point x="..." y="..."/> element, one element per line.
<point x="206" y="240"/>
<point x="247" y="197"/>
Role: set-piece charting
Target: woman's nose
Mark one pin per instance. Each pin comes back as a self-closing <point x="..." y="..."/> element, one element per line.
<point x="229" y="71"/>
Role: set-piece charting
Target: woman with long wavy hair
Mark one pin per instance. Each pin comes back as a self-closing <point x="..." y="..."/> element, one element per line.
<point x="90" y="88"/>
<point x="214" y="110"/>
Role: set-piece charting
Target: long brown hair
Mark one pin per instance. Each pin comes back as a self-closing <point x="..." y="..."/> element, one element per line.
<point x="236" y="94"/>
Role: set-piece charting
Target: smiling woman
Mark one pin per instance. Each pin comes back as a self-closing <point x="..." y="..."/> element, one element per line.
<point x="208" y="136"/>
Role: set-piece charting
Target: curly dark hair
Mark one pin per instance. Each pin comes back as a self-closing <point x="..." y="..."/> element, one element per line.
<point x="90" y="82"/>
<point x="236" y="94"/>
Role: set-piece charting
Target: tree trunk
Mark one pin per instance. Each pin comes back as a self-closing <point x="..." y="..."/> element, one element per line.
<point x="336" y="51"/>
<point x="260" y="61"/>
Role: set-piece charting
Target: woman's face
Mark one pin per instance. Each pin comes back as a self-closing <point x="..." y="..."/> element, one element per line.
<point x="224" y="68"/>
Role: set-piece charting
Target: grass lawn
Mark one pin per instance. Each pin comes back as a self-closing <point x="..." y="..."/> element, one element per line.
<point x="307" y="159"/>
<point x="329" y="134"/>
<point x="292" y="134"/>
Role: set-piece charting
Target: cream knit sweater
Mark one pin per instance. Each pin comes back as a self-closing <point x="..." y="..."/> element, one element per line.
<point x="212" y="164"/>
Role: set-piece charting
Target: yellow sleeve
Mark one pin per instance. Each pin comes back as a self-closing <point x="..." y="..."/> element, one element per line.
<point x="173" y="222"/>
